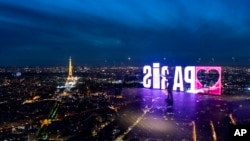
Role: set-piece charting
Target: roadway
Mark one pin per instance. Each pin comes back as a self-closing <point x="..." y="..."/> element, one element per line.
<point x="191" y="117"/>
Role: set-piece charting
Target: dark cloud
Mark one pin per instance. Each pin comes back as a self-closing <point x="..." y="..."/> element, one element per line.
<point x="47" y="32"/>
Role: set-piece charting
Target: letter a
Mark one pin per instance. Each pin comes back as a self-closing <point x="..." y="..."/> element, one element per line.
<point x="237" y="132"/>
<point x="178" y="79"/>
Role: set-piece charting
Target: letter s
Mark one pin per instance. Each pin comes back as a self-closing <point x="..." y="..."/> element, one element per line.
<point x="146" y="79"/>
<point x="164" y="72"/>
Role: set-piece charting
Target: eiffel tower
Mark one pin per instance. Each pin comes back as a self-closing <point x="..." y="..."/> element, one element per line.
<point x="70" y="82"/>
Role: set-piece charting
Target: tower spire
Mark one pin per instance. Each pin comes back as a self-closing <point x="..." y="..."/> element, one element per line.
<point x="70" y="68"/>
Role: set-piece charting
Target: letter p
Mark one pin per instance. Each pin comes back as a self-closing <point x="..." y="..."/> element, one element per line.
<point x="243" y="131"/>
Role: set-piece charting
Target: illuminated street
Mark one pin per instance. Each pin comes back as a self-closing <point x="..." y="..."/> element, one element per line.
<point x="191" y="117"/>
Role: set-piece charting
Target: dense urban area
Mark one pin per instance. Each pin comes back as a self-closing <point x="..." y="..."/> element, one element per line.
<point x="105" y="104"/>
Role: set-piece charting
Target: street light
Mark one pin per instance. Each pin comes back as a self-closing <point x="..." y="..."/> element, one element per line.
<point x="105" y="61"/>
<point x="212" y="60"/>
<point x="199" y="60"/>
<point x="57" y="135"/>
<point x="233" y="59"/>
<point x="129" y="58"/>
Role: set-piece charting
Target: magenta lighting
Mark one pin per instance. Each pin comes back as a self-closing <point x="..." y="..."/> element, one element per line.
<point x="199" y="79"/>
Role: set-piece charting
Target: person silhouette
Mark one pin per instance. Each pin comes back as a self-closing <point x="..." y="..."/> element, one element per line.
<point x="170" y="84"/>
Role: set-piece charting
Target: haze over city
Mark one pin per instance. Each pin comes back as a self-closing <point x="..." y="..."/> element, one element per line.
<point x="44" y="32"/>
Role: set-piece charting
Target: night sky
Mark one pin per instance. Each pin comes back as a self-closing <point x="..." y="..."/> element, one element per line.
<point x="181" y="32"/>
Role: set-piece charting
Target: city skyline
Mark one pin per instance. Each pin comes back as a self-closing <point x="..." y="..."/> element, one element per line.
<point x="101" y="33"/>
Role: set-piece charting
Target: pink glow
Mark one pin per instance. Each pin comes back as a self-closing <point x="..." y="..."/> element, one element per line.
<point x="216" y="88"/>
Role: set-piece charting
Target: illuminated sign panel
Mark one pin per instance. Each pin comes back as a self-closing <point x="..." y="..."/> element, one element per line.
<point x="208" y="79"/>
<point x="200" y="79"/>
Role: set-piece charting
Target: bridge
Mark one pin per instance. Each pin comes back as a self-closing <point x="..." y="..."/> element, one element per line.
<point x="42" y="133"/>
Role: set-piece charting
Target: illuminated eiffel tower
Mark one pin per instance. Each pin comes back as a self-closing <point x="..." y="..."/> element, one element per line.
<point x="70" y="76"/>
<point x="70" y="82"/>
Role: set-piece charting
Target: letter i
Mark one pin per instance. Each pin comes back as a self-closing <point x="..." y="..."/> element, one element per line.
<point x="156" y="75"/>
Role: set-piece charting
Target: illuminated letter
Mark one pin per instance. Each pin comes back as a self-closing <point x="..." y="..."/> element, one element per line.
<point x="156" y="75"/>
<point x="178" y="79"/>
<point x="189" y="76"/>
<point x="164" y="72"/>
<point x="146" y="78"/>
